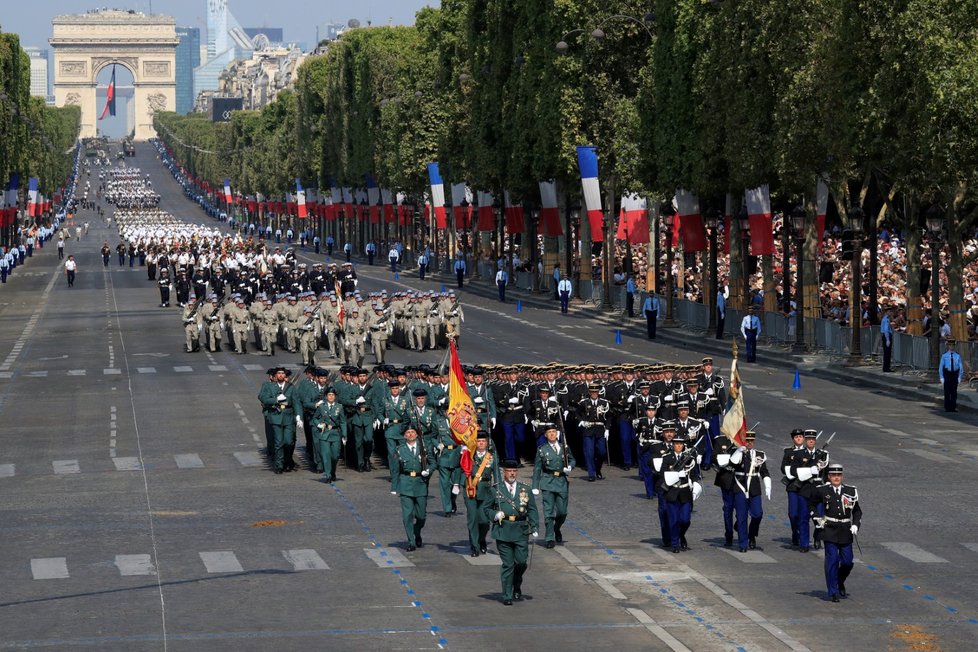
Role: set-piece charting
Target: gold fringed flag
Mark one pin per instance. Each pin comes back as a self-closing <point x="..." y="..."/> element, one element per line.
<point x="734" y="423"/>
<point x="461" y="412"/>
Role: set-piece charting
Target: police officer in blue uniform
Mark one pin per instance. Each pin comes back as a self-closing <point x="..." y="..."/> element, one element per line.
<point x="750" y="328"/>
<point x="950" y="374"/>
<point x="837" y="507"/>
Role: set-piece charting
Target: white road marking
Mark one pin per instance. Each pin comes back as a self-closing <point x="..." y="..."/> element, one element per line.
<point x="894" y="431"/>
<point x="188" y="461"/>
<point x="7" y="470"/>
<point x="838" y="415"/>
<point x="855" y="450"/>
<point x="750" y="557"/>
<point x="254" y="367"/>
<point x="49" y="568"/>
<point x="481" y="560"/>
<point x="868" y="424"/>
<point x="304" y="560"/>
<point x="249" y="458"/>
<point x="913" y="552"/>
<point x="930" y="455"/>
<point x="111" y="372"/>
<point x="388" y="557"/>
<point x="37" y="374"/>
<point x="657" y="630"/>
<point x="221" y="561"/>
<point x="217" y="367"/>
<point x="146" y="370"/>
<point x="134" y="565"/>
<point x="127" y="464"/>
<point x="569" y="556"/>
<point x="973" y="547"/>
<point x="64" y="467"/>
<point x="607" y="586"/>
<point x="183" y="370"/>
<point x="76" y="372"/>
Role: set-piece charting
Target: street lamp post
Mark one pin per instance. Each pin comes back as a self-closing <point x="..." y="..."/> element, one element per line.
<point x="934" y="219"/>
<point x="798" y="226"/>
<point x="712" y="222"/>
<point x="668" y="218"/>
<point x="856" y="217"/>
<point x="606" y="258"/>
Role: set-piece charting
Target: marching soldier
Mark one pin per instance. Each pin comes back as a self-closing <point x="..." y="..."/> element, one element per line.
<point x="837" y="506"/>
<point x="594" y="414"/>
<point x="648" y="433"/>
<point x="544" y="413"/>
<point x="268" y="327"/>
<point x="308" y="336"/>
<point x="240" y="325"/>
<point x="680" y="475"/>
<point x="409" y="481"/>
<point x="798" y="468"/>
<point x="291" y="314"/>
<point x="821" y="459"/>
<point x="485" y="406"/>
<point x="514" y="515"/>
<point x="480" y="485"/>
<point x="355" y="337"/>
<point x="750" y="473"/>
<point x="553" y="464"/>
<point x="309" y="395"/>
<point x="393" y="414"/>
<point x="510" y="397"/>
<point x="359" y="404"/>
<point x="282" y="414"/>
<point x="723" y="448"/>
<point x="164" y="285"/>
<point x="191" y="326"/>
<point x="329" y="427"/>
<point x="379" y="332"/>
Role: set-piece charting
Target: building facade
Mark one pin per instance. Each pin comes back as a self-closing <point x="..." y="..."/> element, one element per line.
<point x="188" y="59"/>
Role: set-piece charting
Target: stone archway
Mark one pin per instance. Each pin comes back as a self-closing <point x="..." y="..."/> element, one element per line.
<point x="84" y="44"/>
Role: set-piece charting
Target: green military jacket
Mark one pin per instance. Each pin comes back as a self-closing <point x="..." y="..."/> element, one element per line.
<point x="308" y="394"/>
<point x="272" y="410"/>
<point x="428" y="425"/>
<point x="407" y="480"/>
<point x="395" y="411"/>
<point x="519" y="513"/>
<point x="329" y="418"/>
<point x="483" y="483"/>
<point x="548" y="470"/>
<point x="451" y="452"/>
<point x="360" y="413"/>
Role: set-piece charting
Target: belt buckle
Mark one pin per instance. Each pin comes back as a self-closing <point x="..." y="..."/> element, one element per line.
<point x="450" y="447"/>
<point x="414" y="474"/>
<point x="556" y="474"/>
<point x="511" y="518"/>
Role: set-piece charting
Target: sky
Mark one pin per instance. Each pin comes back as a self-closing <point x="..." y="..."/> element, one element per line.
<point x="32" y="20"/>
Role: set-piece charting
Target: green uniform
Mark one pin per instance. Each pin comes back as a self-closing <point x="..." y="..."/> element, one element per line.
<point x="308" y="393"/>
<point x="330" y="430"/>
<point x="549" y="478"/>
<point x="479" y="496"/>
<point x="280" y="417"/>
<point x="410" y="481"/>
<point x="393" y="416"/>
<point x="361" y="416"/>
<point x="485" y="405"/>
<point x="519" y="519"/>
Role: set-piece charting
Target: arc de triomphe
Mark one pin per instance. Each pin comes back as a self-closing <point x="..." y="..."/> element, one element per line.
<point x="84" y="44"/>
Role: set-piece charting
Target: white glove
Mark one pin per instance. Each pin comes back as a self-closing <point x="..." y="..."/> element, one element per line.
<point x="346" y="343"/>
<point x="500" y="516"/>
<point x="767" y="488"/>
<point x="343" y="440"/>
<point x="526" y="419"/>
<point x="535" y="492"/>
<point x="387" y="421"/>
<point x="364" y="338"/>
<point x="513" y="400"/>
<point x="442" y="400"/>
<point x="580" y="424"/>
<point x="393" y="493"/>
<point x="425" y="473"/>
<point x="455" y="489"/>
<point x="607" y="433"/>
<point x="319" y="402"/>
<point x="536" y="534"/>
<point x="634" y="423"/>
<point x="854" y="528"/>
<point x="566" y="412"/>
<point x="815" y="470"/>
<point x="298" y="421"/>
<point x="567" y="469"/>
<point x="493" y="422"/>
<point x="697" y="490"/>
<point x="360" y="400"/>
<point x="479" y="400"/>
<point x="682" y="474"/>
<point x="742" y="449"/>
<point x="376" y="423"/>
<point x="281" y="398"/>
<point x="441" y="447"/>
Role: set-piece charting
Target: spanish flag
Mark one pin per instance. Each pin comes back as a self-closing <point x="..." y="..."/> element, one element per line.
<point x="461" y="412"/>
<point x="734" y="423"/>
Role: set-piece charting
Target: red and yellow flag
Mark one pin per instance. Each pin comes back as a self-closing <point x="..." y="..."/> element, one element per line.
<point x="341" y="310"/>
<point x="461" y="412"/>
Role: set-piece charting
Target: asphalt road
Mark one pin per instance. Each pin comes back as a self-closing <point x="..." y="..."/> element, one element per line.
<point x="137" y="512"/>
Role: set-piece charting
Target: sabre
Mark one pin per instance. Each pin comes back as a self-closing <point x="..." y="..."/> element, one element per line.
<point x="828" y="441"/>
<point x="754" y="428"/>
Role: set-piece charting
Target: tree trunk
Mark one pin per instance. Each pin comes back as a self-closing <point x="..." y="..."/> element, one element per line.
<point x="957" y="313"/>
<point x="736" y="298"/>
<point x="915" y="300"/>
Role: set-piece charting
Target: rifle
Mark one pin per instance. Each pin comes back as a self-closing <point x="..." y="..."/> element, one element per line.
<point x="421" y="446"/>
<point x="563" y="430"/>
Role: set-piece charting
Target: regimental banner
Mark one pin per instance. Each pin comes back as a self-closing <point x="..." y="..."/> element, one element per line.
<point x="462" y="419"/>
<point x="734" y="423"/>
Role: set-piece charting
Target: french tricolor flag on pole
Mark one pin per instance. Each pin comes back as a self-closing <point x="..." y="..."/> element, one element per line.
<point x="587" y="161"/>
<point x="437" y="195"/>
<point x="10" y="196"/>
<point x="822" y="204"/>
<point x="549" y="210"/>
<point x="300" y="198"/>
<point x="228" y="197"/>
<point x="31" y="195"/>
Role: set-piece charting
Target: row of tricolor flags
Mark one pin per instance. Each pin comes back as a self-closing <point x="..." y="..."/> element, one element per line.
<point x="37" y="203"/>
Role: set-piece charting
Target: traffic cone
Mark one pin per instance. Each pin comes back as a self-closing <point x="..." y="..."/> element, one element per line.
<point x="519" y="305"/>
<point x="618" y="336"/>
<point x="797" y="383"/>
